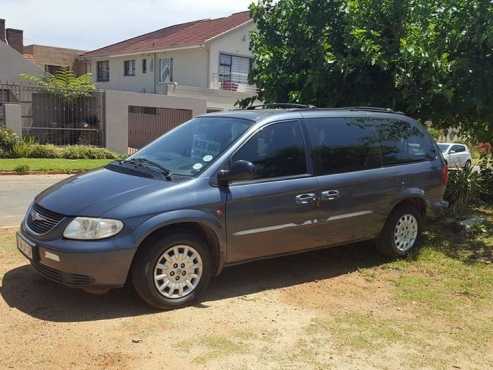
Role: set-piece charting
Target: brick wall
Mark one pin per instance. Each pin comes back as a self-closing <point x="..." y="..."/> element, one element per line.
<point x="47" y="55"/>
<point x="15" y="38"/>
<point x="2" y="29"/>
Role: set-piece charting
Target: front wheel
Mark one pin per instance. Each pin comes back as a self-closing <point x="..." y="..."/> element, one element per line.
<point x="173" y="271"/>
<point x="401" y="233"/>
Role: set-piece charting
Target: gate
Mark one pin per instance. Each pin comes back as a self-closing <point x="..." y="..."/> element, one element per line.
<point x="61" y="122"/>
<point x="146" y="124"/>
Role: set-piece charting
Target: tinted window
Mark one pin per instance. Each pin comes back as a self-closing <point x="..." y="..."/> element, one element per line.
<point x="458" y="149"/>
<point x="343" y="145"/>
<point x="403" y="142"/>
<point x="276" y="151"/>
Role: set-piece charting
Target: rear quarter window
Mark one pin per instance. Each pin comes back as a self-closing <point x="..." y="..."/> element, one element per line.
<point x="403" y="142"/>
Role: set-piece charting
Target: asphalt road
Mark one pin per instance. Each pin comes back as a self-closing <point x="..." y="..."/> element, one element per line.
<point x="17" y="192"/>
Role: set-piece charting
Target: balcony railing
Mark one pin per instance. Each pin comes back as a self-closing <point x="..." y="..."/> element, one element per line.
<point x="236" y="82"/>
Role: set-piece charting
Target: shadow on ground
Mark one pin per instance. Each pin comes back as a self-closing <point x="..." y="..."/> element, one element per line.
<point x="22" y="288"/>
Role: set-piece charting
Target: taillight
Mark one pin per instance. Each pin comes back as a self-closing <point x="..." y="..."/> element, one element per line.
<point x="445" y="174"/>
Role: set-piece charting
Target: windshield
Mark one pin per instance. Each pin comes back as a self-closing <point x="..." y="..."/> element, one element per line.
<point x="443" y="147"/>
<point x="192" y="147"/>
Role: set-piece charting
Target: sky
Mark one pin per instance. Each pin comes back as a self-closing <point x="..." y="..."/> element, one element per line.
<point x="90" y="24"/>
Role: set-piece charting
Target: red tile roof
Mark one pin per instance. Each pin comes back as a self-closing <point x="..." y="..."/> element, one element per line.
<point x="182" y="35"/>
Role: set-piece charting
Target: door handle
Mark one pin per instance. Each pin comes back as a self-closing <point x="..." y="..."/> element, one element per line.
<point x="304" y="199"/>
<point x="330" y="195"/>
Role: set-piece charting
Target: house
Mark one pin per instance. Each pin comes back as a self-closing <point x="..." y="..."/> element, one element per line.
<point x="51" y="59"/>
<point x="12" y="63"/>
<point x="208" y="59"/>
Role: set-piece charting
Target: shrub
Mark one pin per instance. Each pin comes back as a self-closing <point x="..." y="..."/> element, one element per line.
<point x="87" y="152"/>
<point x="486" y="178"/>
<point x="8" y="139"/>
<point x="21" y="149"/>
<point x="11" y="146"/>
<point x="44" y="151"/>
<point x="22" y="169"/>
<point x="463" y="190"/>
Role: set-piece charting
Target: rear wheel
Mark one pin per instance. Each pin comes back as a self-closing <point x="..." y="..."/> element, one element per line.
<point x="173" y="271"/>
<point x="401" y="233"/>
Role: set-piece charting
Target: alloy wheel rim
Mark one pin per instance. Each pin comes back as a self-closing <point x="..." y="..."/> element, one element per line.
<point x="405" y="232"/>
<point x="178" y="271"/>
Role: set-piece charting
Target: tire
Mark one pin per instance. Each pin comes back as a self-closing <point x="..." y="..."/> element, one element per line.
<point x="389" y="243"/>
<point x="150" y="262"/>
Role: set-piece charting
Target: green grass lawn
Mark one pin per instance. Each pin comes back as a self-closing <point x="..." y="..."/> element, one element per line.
<point x="52" y="165"/>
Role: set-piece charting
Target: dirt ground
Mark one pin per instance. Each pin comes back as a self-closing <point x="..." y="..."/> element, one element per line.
<point x="342" y="308"/>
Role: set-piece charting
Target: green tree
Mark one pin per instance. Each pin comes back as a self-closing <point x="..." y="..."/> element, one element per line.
<point x="65" y="84"/>
<point x="432" y="59"/>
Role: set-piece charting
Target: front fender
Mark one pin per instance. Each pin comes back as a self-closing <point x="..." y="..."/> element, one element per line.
<point x="203" y="218"/>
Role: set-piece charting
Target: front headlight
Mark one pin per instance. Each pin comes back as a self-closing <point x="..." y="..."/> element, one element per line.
<point x="84" y="228"/>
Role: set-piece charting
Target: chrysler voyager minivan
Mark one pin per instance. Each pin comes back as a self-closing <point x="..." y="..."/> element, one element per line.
<point x="232" y="187"/>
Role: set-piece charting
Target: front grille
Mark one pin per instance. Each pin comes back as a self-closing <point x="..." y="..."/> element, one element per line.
<point x="41" y="220"/>
<point x="72" y="280"/>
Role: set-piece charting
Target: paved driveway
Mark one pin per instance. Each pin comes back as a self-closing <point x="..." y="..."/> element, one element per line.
<point x="17" y="192"/>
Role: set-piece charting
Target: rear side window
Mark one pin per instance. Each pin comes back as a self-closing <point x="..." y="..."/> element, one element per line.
<point x="458" y="149"/>
<point x="343" y="145"/>
<point x="403" y="142"/>
<point x="276" y="151"/>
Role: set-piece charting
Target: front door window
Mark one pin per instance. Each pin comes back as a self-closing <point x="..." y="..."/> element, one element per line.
<point x="276" y="151"/>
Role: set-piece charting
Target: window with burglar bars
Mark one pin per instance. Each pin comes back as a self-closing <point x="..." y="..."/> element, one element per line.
<point x="166" y="70"/>
<point x="234" y="68"/>
<point x="129" y="68"/>
<point x="103" y="71"/>
<point x="4" y="96"/>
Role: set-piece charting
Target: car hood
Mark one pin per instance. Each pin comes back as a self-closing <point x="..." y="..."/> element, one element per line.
<point x="95" y="193"/>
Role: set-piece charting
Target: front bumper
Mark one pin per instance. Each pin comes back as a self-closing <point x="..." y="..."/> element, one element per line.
<point x="101" y="266"/>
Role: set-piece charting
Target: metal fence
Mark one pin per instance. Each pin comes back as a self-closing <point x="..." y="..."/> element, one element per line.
<point x="51" y="119"/>
<point x="58" y="121"/>
<point x="2" y="115"/>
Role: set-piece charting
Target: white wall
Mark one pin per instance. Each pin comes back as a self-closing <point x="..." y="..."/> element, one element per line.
<point x="235" y="43"/>
<point x="141" y="82"/>
<point x="12" y="64"/>
<point x="13" y="118"/>
<point x="117" y="103"/>
<point x="190" y="69"/>
<point x="190" y="66"/>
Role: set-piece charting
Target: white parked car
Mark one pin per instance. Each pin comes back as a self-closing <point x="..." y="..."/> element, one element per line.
<point x="456" y="155"/>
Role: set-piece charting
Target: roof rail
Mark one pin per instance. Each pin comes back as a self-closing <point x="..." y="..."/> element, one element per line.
<point x="280" y="106"/>
<point x="372" y="109"/>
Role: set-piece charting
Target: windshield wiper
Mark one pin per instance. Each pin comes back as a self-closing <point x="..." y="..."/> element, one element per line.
<point x="148" y="163"/>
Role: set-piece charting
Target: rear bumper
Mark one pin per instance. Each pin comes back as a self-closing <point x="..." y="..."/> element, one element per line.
<point x="437" y="209"/>
<point x="98" y="269"/>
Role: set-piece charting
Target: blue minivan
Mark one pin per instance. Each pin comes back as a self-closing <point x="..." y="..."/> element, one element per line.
<point x="232" y="187"/>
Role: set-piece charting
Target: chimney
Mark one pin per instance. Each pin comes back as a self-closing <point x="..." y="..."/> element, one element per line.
<point x="15" y="39"/>
<point x="2" y="30"/>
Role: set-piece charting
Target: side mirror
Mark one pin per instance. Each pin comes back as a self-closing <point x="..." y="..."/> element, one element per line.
<point x="239" y="171"/>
